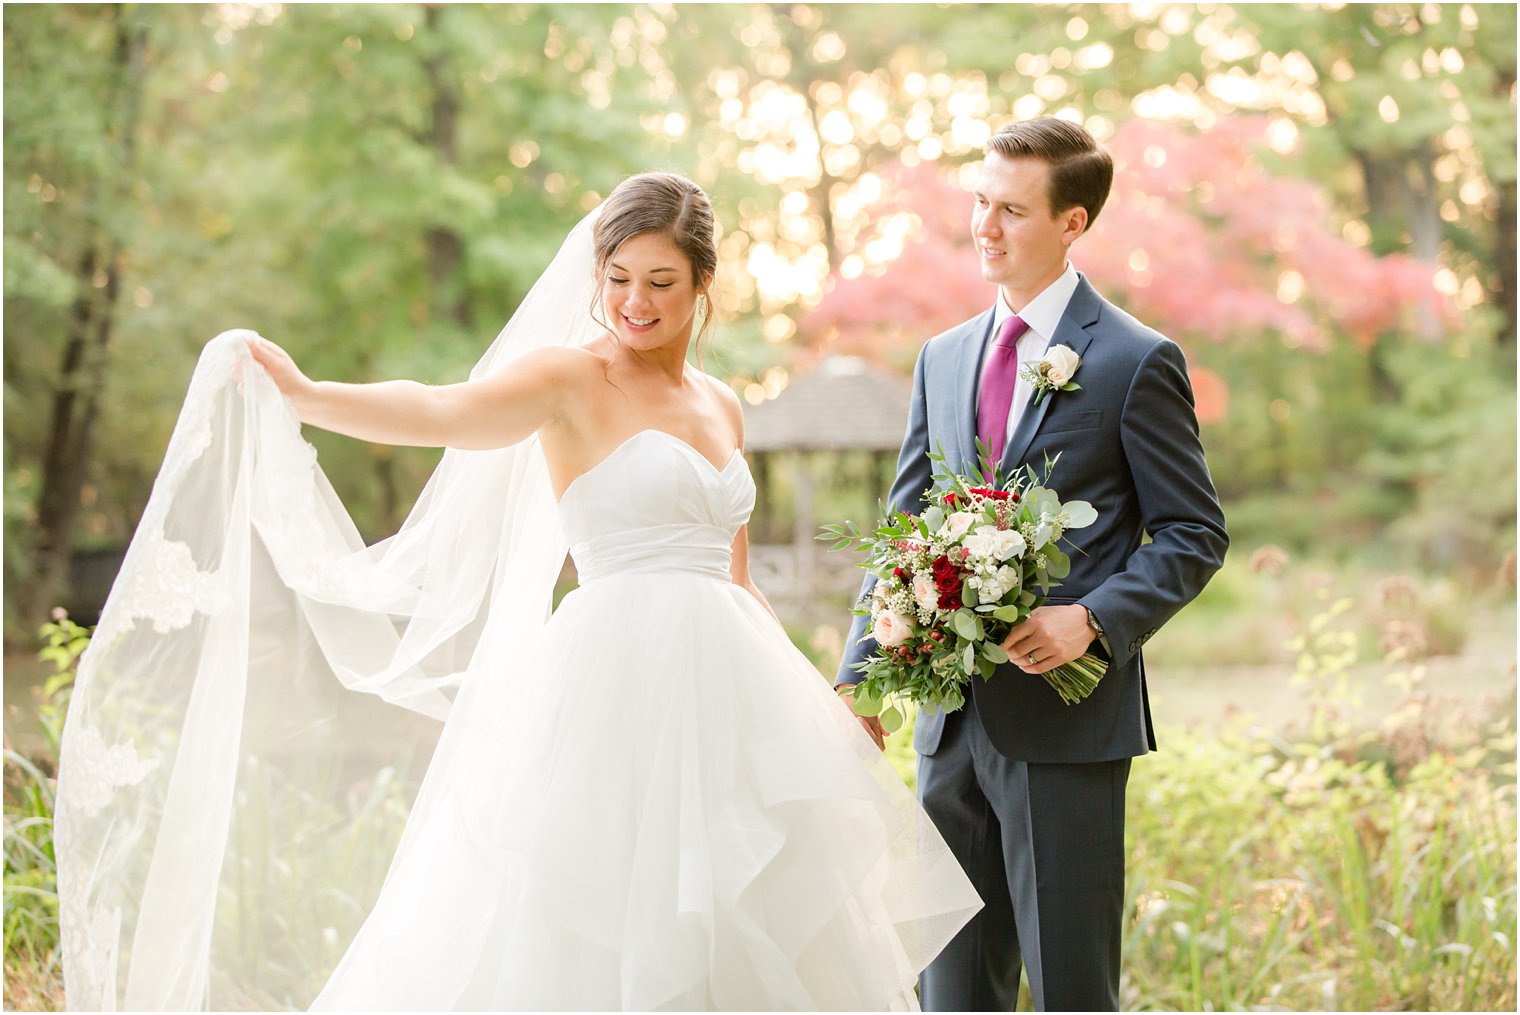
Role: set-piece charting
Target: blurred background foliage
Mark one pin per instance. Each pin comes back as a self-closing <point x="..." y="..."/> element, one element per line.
<point x="1317" y="202"/>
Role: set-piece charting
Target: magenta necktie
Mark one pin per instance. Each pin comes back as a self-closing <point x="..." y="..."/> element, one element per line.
<point x="998" y="380"/>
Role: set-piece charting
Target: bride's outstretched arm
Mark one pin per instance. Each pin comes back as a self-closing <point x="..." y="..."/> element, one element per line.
<point x="491" y="412"/>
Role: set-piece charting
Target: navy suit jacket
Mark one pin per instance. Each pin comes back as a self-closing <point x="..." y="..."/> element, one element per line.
<point x="1129" y="445"/>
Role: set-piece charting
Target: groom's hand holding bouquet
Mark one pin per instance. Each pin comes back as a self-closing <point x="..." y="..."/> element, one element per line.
<point x="955" y="586"/>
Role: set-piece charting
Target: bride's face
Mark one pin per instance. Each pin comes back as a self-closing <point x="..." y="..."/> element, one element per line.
<point x="649" y="292"/>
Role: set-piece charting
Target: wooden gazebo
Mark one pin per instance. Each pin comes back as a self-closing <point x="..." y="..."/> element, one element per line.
<point x="830" y="441"/>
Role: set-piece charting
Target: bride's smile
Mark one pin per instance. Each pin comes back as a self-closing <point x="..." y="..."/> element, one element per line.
<point x="649" y="293"/>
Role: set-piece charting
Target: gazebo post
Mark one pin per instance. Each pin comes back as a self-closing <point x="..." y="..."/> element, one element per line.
<point x="802" y="536"/>
<point x="839" y="423"/>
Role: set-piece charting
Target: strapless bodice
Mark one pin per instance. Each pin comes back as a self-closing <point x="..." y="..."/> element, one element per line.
<point x="655" y="505"/>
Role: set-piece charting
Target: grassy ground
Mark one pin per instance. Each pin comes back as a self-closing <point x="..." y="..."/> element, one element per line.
<point x="1319" y="830"/>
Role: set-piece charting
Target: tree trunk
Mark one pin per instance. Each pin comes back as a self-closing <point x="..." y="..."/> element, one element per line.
<point x="1422" y="210"/>
<point x="1504" y="232"/>
<point x="445" y="249"/>
<point x="1504" y="257"/>
<point x="802" y="75"/>
<point x="86" y="341"/>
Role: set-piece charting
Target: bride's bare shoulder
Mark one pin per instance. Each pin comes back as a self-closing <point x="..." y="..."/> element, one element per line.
<point x="728" y="401"/>
<point x="562" y="365"/>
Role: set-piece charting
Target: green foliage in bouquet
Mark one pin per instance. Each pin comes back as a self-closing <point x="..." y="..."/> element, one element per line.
<point x="953" y="581"/>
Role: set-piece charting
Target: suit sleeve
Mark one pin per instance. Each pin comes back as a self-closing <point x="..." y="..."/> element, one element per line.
<point x="915" y="474"/>
<point x="1179" y="508"/>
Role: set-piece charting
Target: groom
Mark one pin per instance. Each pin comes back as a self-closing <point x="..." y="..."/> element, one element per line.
<point x="1028" y="791"/>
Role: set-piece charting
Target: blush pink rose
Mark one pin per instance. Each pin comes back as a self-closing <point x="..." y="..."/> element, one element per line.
<point x="891" y="628"/>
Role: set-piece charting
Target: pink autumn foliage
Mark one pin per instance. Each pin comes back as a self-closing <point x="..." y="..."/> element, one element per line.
<point x="1198" y="235"/>
<point x="1195" y="240"/>
<point x="934" y="284"/>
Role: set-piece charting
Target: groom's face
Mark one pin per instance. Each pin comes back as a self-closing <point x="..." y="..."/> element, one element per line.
<point x="1020" y="242"/>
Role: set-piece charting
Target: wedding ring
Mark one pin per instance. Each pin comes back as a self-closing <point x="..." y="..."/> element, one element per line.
<point x="1031" y="659"/>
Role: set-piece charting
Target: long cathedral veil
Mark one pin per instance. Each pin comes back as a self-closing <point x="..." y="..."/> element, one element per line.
<point x="226" y="806"/>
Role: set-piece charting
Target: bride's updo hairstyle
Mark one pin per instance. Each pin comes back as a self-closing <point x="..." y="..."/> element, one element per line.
<point x="659" y="203"/>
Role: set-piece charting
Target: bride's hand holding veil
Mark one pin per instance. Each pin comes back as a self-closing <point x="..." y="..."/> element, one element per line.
<point x="490" y="412"/>
<point x="293" y="384"/>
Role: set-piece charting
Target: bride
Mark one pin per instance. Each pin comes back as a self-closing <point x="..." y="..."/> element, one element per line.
<point x="648" y="800"/>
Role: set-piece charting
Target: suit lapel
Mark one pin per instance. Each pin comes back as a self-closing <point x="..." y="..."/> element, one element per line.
<point x="968" y="376"/>
<point x="1081" y="311"/>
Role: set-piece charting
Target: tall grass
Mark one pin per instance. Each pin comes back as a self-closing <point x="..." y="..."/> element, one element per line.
<point x="33" y="978"/>
<point x="1342" y="869"/>
<point x="1328" y="867"/>
<point x="1323" y="867"/>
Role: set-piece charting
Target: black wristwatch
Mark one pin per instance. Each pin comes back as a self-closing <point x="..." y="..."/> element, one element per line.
<point x="1092" y="622"/>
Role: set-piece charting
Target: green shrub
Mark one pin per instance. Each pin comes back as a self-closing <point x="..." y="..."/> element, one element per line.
<point x="32" y="970"/>
<point x="1347" y="869"/>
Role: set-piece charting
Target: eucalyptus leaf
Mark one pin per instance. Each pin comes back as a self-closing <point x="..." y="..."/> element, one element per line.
<point x="1080" y="514"/>
<point x="1058" y="565"/>
<point x="994" y="652"/>
<point x="1043" y="501"/>
<point x="891" y="719"/>
<point x="964" y="624"/>
<point x="864" y="703"/>
<point x="968" y="658"/>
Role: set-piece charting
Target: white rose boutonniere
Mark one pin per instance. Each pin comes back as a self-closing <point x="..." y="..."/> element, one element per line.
<point x="1054" y="372"/>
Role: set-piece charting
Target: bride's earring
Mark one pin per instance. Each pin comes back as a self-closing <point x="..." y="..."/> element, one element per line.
<point x="702" y="304"/>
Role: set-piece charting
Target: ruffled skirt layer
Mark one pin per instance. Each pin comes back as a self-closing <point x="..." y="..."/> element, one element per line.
<point x="672" y="811"/>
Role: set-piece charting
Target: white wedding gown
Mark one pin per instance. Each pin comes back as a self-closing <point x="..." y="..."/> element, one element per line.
<point x="648" y="799"/>
<point x="673" y="812"/>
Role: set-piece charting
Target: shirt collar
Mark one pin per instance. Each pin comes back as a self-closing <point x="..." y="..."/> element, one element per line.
<point x="1043" y="313"/>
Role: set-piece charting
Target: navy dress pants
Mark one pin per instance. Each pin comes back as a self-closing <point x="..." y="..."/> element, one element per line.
<point x="1044" y="846"/>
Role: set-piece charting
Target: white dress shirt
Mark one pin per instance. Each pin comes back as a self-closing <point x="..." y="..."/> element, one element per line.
<point x="1043" y="314"/>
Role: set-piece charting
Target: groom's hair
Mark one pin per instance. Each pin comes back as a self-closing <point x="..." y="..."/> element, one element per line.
<point x="1081" y="170"/>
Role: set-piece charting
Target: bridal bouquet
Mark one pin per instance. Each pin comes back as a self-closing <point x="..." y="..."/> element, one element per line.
<point x="954" y="580"/>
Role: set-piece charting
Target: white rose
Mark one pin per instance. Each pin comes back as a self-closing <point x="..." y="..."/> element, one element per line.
<point x="891" y="628"/>
<point x="924" y="591"/>
<point x="1059" y="364"/>
<point x="956" y="525"/>
<point x="1008" y="544"/>
<point x="982" y="542"/>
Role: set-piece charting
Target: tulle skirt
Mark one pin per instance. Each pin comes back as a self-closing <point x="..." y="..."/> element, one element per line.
<point x="672" y="811"/>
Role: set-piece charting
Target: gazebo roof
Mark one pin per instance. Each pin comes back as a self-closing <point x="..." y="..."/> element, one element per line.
<point x="845" y="404"/>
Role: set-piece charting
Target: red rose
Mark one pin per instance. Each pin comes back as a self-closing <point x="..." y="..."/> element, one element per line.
<point x="950" y="499"/>
<point x="901" y="575"/>
<point x="947" y="578"/>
